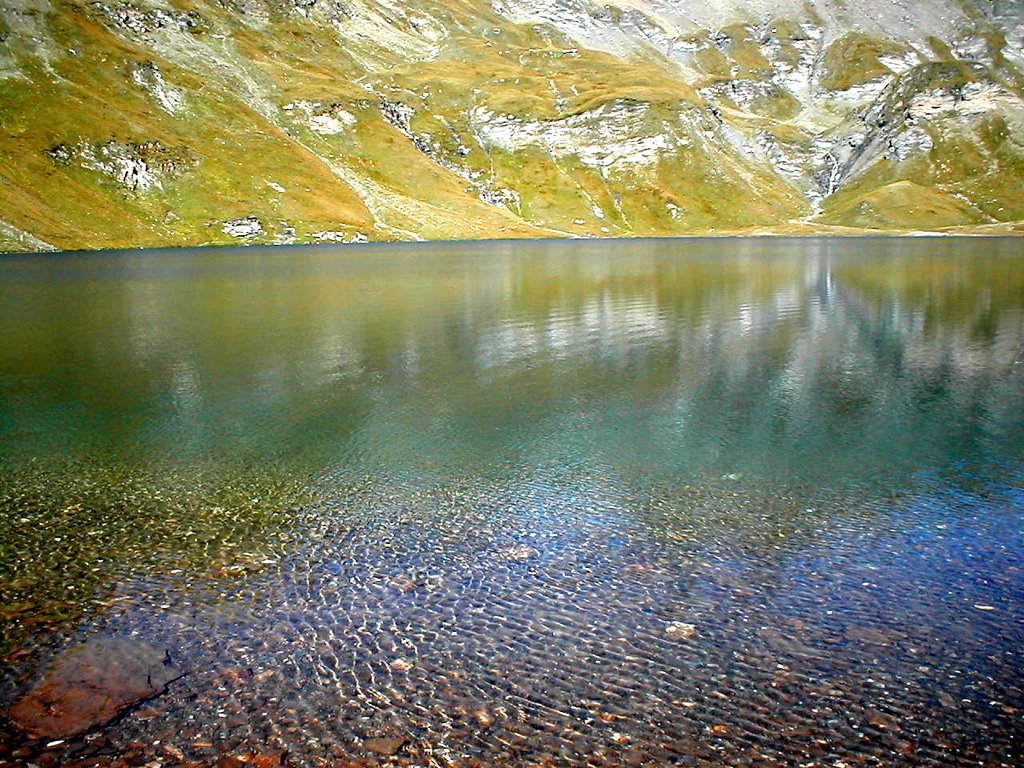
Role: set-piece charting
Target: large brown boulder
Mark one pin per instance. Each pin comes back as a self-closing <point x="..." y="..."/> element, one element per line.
<point x="91" y="684"/>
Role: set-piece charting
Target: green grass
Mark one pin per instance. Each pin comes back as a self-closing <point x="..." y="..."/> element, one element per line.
<point x="854" y="59"/>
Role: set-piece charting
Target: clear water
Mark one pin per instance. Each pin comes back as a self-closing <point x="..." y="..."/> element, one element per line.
<point x="732" y="502"/>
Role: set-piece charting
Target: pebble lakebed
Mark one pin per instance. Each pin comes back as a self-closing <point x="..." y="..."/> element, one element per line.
<point x="537" y="624"/>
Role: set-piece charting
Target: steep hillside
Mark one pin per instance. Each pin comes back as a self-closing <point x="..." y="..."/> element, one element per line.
<point x="164" y="122"/>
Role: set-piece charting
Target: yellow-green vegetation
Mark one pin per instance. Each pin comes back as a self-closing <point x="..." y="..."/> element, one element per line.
<point x="900" y="205"/>
<point x="161" y="122"/>
<point x="89" y="99"/>
<point x="854" y="59"/>
<point x="966" y="163"/>
<point x="745" y="50"/>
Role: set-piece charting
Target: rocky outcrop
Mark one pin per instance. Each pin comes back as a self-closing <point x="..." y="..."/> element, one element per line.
<point x="137" y="167"/>
<point x="147" y="76"/>
<point x="141" y="20"/>
<point x="245" y="227"/>
<point x="399" y="115"/>
<point x="14" y="239"/>
<point x="328" y="119"/>
<point x="612" y="137"/>
<point x="901" y="121"/>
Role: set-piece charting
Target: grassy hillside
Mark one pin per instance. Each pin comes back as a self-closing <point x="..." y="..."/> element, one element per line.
<point x="178" y="122"/>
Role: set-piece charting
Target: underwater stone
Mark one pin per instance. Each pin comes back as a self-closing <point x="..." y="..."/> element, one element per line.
<point x="387" y="745"/>
<point x="90" y="684"/>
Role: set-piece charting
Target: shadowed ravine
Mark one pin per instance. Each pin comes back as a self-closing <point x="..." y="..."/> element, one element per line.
<point x="652" y="503"/>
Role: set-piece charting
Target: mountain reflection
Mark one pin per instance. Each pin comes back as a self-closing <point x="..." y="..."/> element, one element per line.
<point x="803" y="359"/>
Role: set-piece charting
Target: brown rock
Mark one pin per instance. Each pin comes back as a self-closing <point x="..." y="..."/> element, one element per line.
<point x="868" y="635"/>
<point x="89" y="685"/>
<point x="172" y="751"/>
<point x="267" y="760"/>
<point x="484" y="717"/>
<point x="385" y="745"/>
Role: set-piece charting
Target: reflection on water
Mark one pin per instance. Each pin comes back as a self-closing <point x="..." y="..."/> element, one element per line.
<point x="648" y="503"/>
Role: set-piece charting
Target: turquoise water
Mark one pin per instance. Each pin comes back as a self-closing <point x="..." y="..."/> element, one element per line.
<point x="711" y="502"/>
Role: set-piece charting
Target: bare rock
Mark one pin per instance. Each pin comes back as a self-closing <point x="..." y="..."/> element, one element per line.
<point x="518" y="554"/>
<point x="137" y="167"/>
<point x="247" y="226"/>
<point x="385" y="745"/>
<point x="680" y="630"/>
<point x="91" y="684"/>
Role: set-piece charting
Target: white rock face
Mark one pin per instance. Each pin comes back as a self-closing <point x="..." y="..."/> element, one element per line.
<point x="620" y="26"/>
<point x="377" y="31"/>
<point x="327" y="119"/>
<point x="25" y="21"/>
<point x="148" y="77"/>
<point x="978" y="98"/>
<point x="972" y="99"/>
<point x="331" y="124"/>
<point x="21" y="240"/>
<point x="247" y="226"/>
<point x="612" y="135"/>
<point x="899" y="63"/>
<point x="134" y="173"/>
<point x="332" y="236"/>
<point x="136" y="167"/>
<point x="907" y="143"/>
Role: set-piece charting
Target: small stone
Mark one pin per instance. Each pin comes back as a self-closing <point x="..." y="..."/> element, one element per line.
<point x="403" y="665"/>
<point x="485" y="718"/>
<point x="637" y="568"/>
<point x="385" y="745"/>
<point x="868" y="635"/>
<point x="172" y="751"/>
<point x="403" y="584"/>
<point x="518" y="554"/>
<point x="267" y="760"/>
<point x="679" y="630"/>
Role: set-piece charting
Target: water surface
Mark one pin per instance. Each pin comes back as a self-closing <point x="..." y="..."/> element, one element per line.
<point x="724" y="502"/>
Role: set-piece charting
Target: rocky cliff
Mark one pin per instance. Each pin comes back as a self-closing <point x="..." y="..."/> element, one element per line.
<point x="171" y="122"/>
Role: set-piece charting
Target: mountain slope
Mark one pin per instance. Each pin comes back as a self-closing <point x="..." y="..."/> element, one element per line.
<point x="160" y="122"/>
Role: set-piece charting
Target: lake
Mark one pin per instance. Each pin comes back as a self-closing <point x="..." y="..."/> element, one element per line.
<point x="726" y="502"/>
